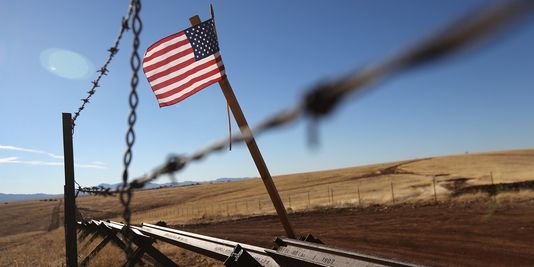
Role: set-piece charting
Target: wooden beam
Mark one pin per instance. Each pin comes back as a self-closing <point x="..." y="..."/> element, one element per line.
<point x="253" y="148"/>
<point x="95" y="251"/>
<point x="71" y="250"/>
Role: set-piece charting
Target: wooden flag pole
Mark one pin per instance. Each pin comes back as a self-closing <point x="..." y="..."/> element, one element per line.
<point x="253" y="148"/>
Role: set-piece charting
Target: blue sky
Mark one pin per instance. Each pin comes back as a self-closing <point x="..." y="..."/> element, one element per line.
<point x="273" y="51"/>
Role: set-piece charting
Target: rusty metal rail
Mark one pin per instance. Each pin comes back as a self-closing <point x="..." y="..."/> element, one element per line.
<point x="286" y="252"/>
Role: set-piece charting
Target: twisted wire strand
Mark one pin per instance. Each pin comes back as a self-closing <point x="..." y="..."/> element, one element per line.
<point x="104" y="68"/>
<point x="133" y="100"/>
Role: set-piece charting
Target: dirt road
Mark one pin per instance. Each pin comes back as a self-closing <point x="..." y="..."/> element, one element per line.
<point x="55" y="217"/>
<point x="467" y="234"/>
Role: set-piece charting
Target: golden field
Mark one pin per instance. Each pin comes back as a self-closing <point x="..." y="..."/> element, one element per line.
<point x="31" y="232"/>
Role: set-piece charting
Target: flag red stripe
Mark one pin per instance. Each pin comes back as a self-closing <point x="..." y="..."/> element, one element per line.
<point x="168" y="60"/>
<point x="200" y="87"/>
<point x="171" y="69"/>
<point x="185" y="74"/>
<point x="190" y="83"/>
<point x="165" y="50"/>
<point x="164" y="40"/>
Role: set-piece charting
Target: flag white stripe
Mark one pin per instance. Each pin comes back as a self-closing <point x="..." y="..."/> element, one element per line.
<point x="166" y="55"/>
<point x="185" y="80"/>
<point x="182" y="70"/>
<point x="190" y="88"/>
<point x="170" y="64"/>
<point x="166" y="44"/>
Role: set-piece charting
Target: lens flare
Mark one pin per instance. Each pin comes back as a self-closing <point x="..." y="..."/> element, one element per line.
<point x="66" y="64"/>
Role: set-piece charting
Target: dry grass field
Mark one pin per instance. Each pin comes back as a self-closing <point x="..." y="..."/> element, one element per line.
<point x="32" y="235"/>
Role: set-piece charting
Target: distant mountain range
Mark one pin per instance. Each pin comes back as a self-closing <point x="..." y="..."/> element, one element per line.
<point x="172" y="184"/>
<point x="19" y="197"/>
<point x="151" y="185"/>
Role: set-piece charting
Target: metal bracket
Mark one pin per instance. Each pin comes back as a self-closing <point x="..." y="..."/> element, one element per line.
<point x="241" y="258"/>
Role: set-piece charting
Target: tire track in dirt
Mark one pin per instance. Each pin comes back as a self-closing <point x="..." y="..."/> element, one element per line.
<point x="54" y="218"/>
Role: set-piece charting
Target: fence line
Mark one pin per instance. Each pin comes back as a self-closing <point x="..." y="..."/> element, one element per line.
<point x="353" y="194"/>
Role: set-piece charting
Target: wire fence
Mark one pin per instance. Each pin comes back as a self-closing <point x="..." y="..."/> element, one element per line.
<point x="210" y="202"/>
<point x="400" y="189"/>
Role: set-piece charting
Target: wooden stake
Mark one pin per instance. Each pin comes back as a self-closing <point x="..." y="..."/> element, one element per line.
<point x="71" y="246"/>
<point x="435" y="195"/>
<point x="392" y="193"/>
<point x="253" y="148"/>
<point x="332" y="195"/>
<point x="359" y="198"/>
<point x="289" y="197"/>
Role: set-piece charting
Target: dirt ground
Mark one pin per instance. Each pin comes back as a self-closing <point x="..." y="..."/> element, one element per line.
<point x="482" y="233"/>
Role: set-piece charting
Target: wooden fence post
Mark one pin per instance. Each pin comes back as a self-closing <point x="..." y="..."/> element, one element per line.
<point x="392" y="193"/>
<point x="71" y="246"/>
<point x="435" y="194"/>
<point x="289" y="196"/>
<point x="332" y="196"/>
<point x="359" y="198"/>
<point x="329" y="198"/>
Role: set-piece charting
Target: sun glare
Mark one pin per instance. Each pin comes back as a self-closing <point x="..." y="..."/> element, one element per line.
<point x="66" y="64"/>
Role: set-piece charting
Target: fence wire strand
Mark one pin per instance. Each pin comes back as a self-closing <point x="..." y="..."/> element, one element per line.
<point x="104" y="68"/>
<point x="321" y="100"/>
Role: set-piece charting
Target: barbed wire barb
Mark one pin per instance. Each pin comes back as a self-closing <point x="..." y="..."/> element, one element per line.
<point x="104" y="69"/>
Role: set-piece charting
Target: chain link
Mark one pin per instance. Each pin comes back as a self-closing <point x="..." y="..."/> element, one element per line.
<point x="322" y="100"/>
<point x="133" y="100"/>
<point x="104" y="69"/>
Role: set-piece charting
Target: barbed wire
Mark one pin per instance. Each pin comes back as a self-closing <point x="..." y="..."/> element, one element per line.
<point x="104" y="69"/>
<point x="322" y="100"/>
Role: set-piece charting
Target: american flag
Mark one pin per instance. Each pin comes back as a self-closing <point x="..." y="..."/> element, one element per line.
<point x="184" y="63"/>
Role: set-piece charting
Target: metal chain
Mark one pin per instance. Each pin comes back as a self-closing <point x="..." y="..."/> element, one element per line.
<point x="104" y="69"/>
<point x="322" y="100"/>
<point x="135" y="64"/>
